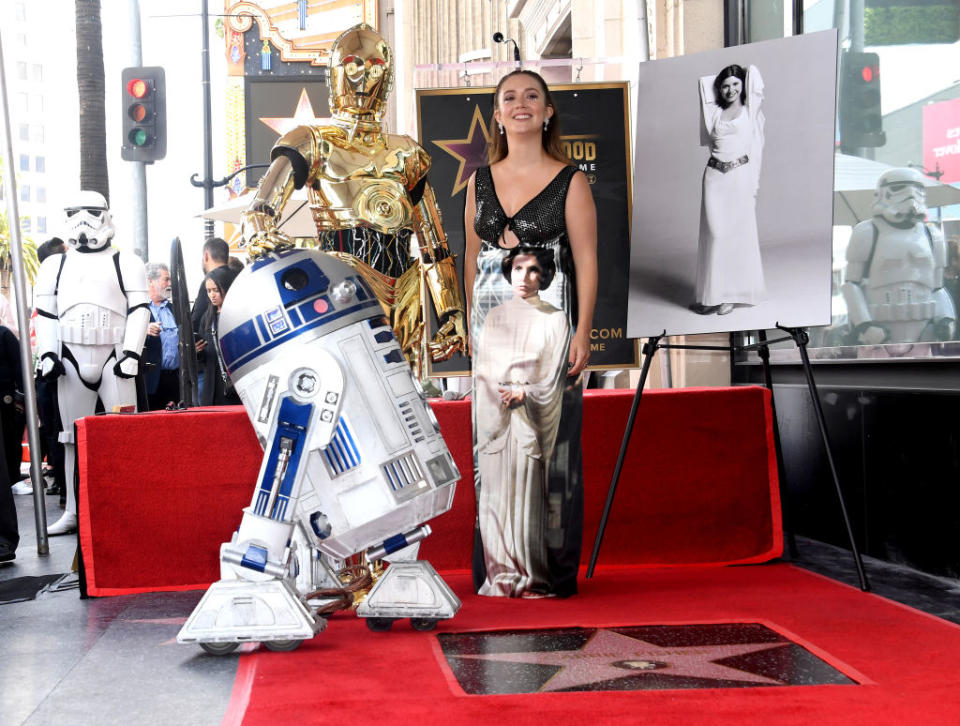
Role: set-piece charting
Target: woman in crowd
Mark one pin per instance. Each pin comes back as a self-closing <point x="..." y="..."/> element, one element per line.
<point x="530" y="197"/>
<point x="217" y="390"/>
<point x="729" y="268"/>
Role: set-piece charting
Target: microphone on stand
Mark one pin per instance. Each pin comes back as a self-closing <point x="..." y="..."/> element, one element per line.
<point x="498" y="38"/>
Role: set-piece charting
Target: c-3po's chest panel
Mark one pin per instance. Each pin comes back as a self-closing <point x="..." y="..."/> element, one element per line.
<point x="361" y="186"/>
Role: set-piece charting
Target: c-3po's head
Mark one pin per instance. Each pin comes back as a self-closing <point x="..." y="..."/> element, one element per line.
<point x="361" y="73"/>
<point x="89" y="225"/>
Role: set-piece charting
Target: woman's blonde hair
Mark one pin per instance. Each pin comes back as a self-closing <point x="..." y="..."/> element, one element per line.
<point x="550" y="138"/>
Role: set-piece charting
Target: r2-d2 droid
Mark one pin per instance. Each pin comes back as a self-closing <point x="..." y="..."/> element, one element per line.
<point x="353" y="458"/>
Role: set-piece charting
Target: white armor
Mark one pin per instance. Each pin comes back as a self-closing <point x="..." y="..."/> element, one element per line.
<point x="92" y="316"/>
<point x="894" y="278"/>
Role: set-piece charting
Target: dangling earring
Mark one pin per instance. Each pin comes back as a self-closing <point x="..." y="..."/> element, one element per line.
<point x="501" y="128"/>
<point x="546" y="123"/>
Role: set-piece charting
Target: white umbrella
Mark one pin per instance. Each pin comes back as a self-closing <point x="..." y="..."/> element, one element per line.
<point x="854" y="184"/>
<point x="296" y="220"/>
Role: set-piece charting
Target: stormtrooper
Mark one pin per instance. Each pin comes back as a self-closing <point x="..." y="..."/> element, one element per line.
<point x="92" y="315"/>
<point x="368" y="192"/>
<point x="894" y="277"/>
<point x="353" y="463"/>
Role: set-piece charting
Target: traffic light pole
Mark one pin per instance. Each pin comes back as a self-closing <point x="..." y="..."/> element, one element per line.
<point x="138" y="170"/>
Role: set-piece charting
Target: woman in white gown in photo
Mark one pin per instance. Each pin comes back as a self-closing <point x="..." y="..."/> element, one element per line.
<point x="729" y="267"/>
<point x="518" y="391"/>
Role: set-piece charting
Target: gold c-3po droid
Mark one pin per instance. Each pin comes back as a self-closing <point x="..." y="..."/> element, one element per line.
<point x="368" y="191"/>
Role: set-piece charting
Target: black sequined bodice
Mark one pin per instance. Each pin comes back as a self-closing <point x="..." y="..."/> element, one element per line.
<point x="538" y="222"/>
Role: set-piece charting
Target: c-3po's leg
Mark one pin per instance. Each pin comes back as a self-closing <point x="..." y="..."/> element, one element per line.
<point x="256" y="598"/>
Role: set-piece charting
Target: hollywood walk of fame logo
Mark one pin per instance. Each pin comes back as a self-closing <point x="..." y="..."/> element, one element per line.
<point x="728" y="655"/>
<point x="302" y="116"/>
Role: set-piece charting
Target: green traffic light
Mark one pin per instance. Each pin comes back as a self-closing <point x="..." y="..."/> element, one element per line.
<point x="138" y="136"/>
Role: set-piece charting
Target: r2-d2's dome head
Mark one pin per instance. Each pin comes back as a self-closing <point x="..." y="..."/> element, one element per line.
<point x="89" y="225"/>
<point x="361" y="73"/>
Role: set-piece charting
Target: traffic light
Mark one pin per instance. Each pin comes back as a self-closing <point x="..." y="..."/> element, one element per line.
<point x="144" y="114"/>
<point x="861" y="123"/>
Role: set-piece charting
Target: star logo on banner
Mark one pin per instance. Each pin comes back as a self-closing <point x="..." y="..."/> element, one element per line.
<point x="609" y="656"/>
<point x="302" y="116"/>
<point x="471" y="152"/>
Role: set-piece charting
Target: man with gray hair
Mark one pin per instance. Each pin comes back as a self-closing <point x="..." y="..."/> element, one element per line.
<point x="161" y="349"/>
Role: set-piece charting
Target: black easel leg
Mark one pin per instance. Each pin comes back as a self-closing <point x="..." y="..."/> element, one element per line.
<point x="764" y="353"/>
<point x="649" y="349"/>
<point x="801" y="339"/>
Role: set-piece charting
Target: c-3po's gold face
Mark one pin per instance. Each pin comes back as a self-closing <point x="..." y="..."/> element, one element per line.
<point x="361" y="72"/>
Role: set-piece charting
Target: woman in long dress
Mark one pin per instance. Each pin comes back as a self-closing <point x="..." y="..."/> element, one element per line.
<point x="729" y="267"/>
<point x="529" y="196"/>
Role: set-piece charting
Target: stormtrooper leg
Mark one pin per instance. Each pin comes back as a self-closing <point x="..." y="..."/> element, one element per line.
<point x="75" y="400"/>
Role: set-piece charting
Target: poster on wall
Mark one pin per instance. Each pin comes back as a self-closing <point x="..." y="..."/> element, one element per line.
<point x="276" y="105"/>
<point x="453" y="126"/>
<point x="733" y="189"/>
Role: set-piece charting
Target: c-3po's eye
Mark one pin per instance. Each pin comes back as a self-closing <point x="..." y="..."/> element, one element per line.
<point x="350" y="68"/>
<point x="376" y="71"/>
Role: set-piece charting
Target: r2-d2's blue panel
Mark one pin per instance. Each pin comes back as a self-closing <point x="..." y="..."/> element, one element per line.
<point x="307" y="346"/>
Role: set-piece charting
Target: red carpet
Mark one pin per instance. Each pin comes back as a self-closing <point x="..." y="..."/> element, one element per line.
<point x="698" y="487"/>
<point x="904" y="662"/>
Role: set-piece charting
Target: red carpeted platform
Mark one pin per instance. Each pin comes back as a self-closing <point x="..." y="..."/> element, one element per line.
<point x="160" y="491"/>
<point x="901" y="663"/>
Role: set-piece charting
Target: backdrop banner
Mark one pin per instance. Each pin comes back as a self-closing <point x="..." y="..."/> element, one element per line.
<point x="453" y="126"/>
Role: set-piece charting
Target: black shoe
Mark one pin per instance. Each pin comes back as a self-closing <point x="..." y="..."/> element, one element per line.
<point x="7" y="554"/>
<point x="55" y="489"/>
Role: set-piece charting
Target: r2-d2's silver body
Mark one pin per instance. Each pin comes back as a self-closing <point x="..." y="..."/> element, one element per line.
<point x="353" y="457"/>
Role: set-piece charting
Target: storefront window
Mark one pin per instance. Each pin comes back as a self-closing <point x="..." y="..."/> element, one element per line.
<point x="896" y="285"/>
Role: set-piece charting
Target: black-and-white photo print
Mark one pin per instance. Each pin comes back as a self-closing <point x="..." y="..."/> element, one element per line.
<point x="732" y="212"/>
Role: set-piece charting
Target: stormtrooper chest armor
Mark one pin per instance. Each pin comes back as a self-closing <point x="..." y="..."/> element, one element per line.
<point x="902" y="257"/>
<point x="91" y="303"/>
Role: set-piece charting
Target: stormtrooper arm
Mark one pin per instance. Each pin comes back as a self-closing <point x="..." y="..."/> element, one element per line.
<point x="440" y="274"/>
<point x="47" y="324"/>
<point x="289" y="170"/>
<point x="859" y="252"/>
<point x="138" y="315"/>
<point x="945" y="313"/>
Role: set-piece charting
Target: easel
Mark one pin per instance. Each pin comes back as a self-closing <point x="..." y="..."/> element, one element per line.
<point x="801" y="339"/>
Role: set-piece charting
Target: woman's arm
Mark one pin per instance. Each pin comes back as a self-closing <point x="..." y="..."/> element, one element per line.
<point x="471" y="249"/>
<point x="581" y="220"/>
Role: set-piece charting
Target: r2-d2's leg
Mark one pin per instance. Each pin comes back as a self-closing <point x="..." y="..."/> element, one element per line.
<point x="256" y="598"/>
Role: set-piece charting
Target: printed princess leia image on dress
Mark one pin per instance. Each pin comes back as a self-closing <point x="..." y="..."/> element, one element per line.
<point x="729" y="267"/>
<point x="519" y="381"/>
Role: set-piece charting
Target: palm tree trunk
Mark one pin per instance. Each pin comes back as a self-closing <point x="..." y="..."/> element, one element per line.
<point x="90" y="85"/>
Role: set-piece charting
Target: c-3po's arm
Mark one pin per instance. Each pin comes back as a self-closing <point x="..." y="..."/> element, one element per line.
<point x="292" y="160"/>
<point x="439" y="274"/>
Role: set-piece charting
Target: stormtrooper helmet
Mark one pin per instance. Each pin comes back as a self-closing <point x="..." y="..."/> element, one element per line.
<point x="901" y="197"/>
<point x="89" y="226"/>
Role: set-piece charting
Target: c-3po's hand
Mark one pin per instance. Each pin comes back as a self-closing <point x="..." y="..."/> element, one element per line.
<point x="260" y="234"/>
<point x="450" y="338"/>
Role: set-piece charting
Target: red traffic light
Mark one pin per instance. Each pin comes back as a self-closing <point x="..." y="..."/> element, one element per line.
<point x="868" y="73"/>
<point x="137" y="87"/>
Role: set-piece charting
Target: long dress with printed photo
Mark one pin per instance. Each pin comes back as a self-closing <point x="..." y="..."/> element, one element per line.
<point x="729" y="267"/>
<point x="527" y="458"/>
